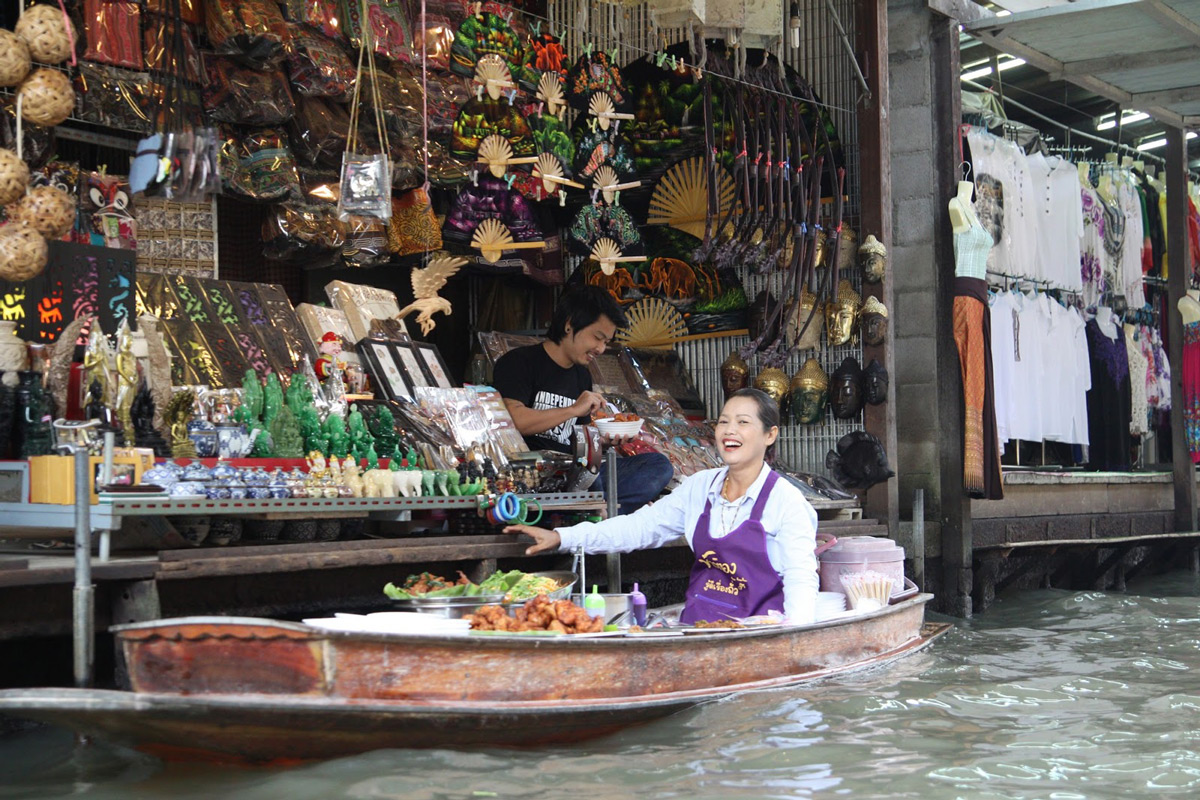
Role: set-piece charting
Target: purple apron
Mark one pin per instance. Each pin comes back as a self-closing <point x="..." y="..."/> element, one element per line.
<point x="732" y="576"/>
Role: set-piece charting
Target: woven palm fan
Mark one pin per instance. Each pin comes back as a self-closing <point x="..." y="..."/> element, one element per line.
<point x="606" y="181"/>
<point x="497" y="153"/>
<point x="550" y="92"/>
<point x="493" y="75"/>
<point x="549" y="168"/>
<point x="492" y="237"/>
<point x="601" y="107"/>
<point x="608" y="253"/>
<point x="680" y="197"/>
<point x="653" y="323"/>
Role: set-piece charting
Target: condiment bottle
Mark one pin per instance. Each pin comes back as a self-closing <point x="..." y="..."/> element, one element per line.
<point x="594" y="603"/>
<point x="637" y="601"/>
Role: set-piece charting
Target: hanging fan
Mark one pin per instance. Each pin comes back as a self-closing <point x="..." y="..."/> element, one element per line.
<point x="492" y="238"/>
<point x="549" y="168"/>
<point x="608" y="254"/>
<point x="550" y="92"/>
<point x="497" y="153"/>
<point x="653" y="323"/>
<point x="493" y="75"/>
<point x="680" y="197"/>
<point x="601" y="107"/>
<point x="605" y="181"/>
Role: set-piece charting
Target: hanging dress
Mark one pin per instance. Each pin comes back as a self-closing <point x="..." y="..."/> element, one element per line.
<point x="1109" y="402"/>
<point x="972" y="335"/>
<point x="1191" y="388"/>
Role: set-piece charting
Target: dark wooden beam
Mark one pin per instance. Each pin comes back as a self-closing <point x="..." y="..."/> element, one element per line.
<point x="955" y="516"/>
<point x="875" y="171"/>
<point x="1178" y="280"/>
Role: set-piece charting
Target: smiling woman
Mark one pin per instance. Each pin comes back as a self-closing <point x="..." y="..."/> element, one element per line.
<point x="753" y="534"/>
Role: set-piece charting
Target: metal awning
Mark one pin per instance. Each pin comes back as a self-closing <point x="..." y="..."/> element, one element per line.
<point x="1141" y="54"/>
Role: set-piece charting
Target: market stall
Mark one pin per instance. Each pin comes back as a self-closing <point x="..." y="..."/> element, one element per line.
<point x="257" y="321"/>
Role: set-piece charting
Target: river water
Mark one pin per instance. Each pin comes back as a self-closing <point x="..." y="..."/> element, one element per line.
<point x="1050" y="694"/>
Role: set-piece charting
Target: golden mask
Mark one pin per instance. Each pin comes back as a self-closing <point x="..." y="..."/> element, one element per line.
<point x="872" y="258"/>
<point x="841" y="315"/>
<point x="735" y="374"/>
<point x="845" y="252"/>
<point x="774" y="382"/>
<point x="809" y="391"/>
<point x="810" y="338"/>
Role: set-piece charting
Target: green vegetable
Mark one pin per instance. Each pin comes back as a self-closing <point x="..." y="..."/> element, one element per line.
<point x="395" y="592"/>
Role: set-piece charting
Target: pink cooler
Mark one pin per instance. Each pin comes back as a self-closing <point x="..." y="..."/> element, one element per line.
<point x="861" y="554"/>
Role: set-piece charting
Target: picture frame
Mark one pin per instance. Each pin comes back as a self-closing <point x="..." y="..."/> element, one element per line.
<point x="410" y="363"/>
<point x="386" y="370"/>
<point x="435" y="367"/>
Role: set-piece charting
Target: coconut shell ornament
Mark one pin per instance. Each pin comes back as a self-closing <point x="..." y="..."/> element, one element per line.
<point x="48" y="32"/>
<point x="23" y="252"/>
<point x="46" y="96"/>
<point x="50" y="211"/>
<point x="14" y="58"/>
<point x="14" y="177"/>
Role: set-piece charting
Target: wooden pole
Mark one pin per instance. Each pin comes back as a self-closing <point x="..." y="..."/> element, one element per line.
<point x="955" y="506"/>
<point x="1179" y="273"/>
<point x="875" y="158"/>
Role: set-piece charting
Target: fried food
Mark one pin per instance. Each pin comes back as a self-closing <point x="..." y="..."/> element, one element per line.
<point x="539" y="614"/>
<point x="428" y="582"/>
<point x="720" y="623"/>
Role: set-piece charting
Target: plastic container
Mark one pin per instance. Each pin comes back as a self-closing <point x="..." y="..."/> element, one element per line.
<point x="637" y="601"/>
<point x="860" y="554"/>
<point x="594" y="603"/>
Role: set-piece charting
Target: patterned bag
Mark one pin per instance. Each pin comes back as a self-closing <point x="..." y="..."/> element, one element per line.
<point x="413" y="227"/>
<point x="112" y="32"/>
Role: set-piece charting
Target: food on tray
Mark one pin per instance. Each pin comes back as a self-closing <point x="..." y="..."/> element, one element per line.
<point x="429" y="585"/>
<point x="539" y="614"/>
<point x="720" y="623"/>
<point x="515" y="585"/>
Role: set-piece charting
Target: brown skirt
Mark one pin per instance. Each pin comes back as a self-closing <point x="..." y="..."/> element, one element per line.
<point x="973" y="336"/>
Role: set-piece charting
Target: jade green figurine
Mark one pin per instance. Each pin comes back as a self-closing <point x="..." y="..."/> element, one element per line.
<point x="289" y="443"/>
<point x="361" y="440"/>
<point x="427" y="483"/>
<point x="339" y="442"/>
<point x="252" y="398"/>
<point x="383" y="428"/>
<point x="372" y="457"/>
<point x="272" y="399"/>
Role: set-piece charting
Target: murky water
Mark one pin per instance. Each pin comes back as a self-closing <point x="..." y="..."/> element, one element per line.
<point x="1050" y="695"/>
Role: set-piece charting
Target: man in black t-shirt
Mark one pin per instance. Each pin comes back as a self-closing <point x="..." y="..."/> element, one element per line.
<point x="548" y="389"/>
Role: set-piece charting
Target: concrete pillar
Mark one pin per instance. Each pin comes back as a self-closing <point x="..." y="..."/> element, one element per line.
<point x="925" y="103"/>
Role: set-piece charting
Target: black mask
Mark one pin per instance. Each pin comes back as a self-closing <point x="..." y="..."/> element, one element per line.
<point x="759" y="315"/>
<point x="875" y="380"/>
<point x="846" y="390"/>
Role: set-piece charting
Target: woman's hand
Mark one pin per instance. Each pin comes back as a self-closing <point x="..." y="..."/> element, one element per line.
<point x="543" y="538"/>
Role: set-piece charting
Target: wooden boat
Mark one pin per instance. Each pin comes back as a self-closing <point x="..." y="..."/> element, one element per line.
<point x="232" y="688"/>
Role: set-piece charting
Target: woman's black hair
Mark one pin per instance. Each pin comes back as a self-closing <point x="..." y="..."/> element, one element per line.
<point x="767" y="410"/>
<point x="581" y="306"/>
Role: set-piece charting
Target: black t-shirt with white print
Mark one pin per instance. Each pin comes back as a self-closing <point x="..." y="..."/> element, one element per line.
<point x="528" y="375"/>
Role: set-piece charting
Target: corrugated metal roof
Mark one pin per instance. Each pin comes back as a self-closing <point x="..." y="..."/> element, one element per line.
<point x="1142" y="54"/>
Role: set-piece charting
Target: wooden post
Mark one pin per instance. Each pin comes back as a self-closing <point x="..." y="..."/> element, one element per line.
<point x="957" y="555"/>
<point x="1178" y="276"/>
<point x="875" y="176"/>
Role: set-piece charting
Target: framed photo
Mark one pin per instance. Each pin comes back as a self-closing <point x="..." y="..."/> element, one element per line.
<point x="434" y="366"/>
<point x="410" y="362"/>
<point x="389" y="377"/>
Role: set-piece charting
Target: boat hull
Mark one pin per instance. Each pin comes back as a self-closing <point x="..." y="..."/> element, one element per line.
<point x="263" y="691"/>
<point x="233" y="656"/>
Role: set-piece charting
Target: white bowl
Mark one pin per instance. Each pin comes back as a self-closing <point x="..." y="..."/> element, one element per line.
<point x="612" y="428"/>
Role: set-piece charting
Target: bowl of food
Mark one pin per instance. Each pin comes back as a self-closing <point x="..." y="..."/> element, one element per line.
<point x="619" y="425"/>
<point x="556" y="585"/>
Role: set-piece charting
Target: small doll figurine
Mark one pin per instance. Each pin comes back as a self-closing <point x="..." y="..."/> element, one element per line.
<point x="331" y="348"/>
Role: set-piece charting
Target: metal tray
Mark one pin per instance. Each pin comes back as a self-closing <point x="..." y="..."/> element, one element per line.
<point x="563" y="592"/>
<point x="449" y="607"/>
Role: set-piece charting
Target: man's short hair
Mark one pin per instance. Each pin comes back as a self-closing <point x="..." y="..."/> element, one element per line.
<point x="581" y="306"/>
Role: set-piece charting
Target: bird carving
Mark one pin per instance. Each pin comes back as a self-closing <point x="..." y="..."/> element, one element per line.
<point x="426" y="283"/>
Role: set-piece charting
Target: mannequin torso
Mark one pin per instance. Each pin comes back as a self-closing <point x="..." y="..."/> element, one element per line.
<point x="1189" y="307"/>
<point x="961" y="212"/>
<point x="1107" y="322"/>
